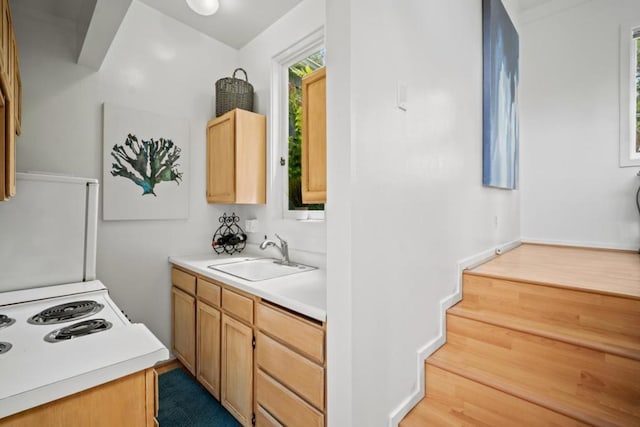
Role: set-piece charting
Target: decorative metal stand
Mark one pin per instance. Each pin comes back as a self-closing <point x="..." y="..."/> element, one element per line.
<point x="229" y="237"/>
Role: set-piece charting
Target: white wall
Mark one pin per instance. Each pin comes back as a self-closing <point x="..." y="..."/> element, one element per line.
<point x="257" y="58"/>
<point x="412" y="185"/>
<point x="573" y="190"/>
<point x="155" y="64"/>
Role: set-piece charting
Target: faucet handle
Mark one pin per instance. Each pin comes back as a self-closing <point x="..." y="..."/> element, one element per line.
<point x="282" y="241"/>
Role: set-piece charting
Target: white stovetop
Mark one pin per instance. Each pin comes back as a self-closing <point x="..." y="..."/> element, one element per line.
<point x="304" y="293"/>
<point x="34" y="371"/>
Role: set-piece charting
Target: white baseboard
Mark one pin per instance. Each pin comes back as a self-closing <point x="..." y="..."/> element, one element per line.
<point x="429" y="348"/>
<point x="594" y="245"/>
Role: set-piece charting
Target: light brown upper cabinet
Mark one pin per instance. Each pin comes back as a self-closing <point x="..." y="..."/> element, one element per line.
<point x="314" y="137"/>
<point x="11" y="88"/>
<point x="237" y="158"/>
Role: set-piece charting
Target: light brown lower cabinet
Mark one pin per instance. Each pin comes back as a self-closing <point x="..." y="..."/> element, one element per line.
<point x="284" y="405"/>
<point x="264" y="363"/>
<point x="236" y="393"/>
<point x="184" y="328"/>
<point x="128" y="401"/>
<point x="208" y="337"/>
<point x="265" y="419"/>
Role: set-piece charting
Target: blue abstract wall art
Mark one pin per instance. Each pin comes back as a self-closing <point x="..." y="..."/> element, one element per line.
<point x="500" y="97"/>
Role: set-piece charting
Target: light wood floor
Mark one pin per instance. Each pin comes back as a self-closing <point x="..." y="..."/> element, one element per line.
<point x="602" y="271"/>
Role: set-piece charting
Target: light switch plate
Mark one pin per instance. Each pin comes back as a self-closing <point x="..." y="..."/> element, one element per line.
<point x="402" y="95"/>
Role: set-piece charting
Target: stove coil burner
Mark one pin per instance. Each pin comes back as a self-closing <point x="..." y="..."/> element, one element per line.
<point x="4" y="347"/>
<point x="86" y="327"/>
<point x="66" y="312"/>
<point x="6" y="321"/>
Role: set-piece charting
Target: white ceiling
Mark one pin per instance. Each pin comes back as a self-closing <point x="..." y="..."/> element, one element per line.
<point x="236" y="23"/>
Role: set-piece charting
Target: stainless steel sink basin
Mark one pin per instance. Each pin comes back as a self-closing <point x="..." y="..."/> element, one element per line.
<point x="257" y="269"/>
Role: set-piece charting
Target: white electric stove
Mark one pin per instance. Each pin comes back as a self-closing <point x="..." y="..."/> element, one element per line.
<point x="60" y="332"/>
<point x="59" y="340"/>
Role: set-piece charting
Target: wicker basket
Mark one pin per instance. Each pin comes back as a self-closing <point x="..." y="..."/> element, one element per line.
<point x="233" y="93"/>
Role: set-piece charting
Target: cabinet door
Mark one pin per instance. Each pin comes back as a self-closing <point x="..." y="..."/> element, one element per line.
<point x="184" y="328"/>
<point x="17" y="90"/>
<point x="209" y="348"/>
<point x="6" y="37"/>
<point x="3" y="151"/>
<point x="10" y="148"/>
<point x="314" y="137"/>
<point x="221" y="160"/>
<point x="236" y="388"/>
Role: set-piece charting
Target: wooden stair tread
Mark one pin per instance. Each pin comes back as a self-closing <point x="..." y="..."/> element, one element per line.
<point x="609" y="342"/>
<point x="431" y="413"/>
<point x="453" y="400"/>
<point x="605" y="321"/>
<point x="583" y="384"/>
<point x="595" y="270"/>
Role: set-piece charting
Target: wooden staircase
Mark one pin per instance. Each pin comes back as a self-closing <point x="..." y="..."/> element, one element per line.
<point x="543" y="336"/>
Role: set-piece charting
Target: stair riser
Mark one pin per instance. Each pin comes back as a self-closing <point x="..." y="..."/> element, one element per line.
<point x="478" y="404"/>
<point x="582" y="310"/>
<point x="566" y="378"/>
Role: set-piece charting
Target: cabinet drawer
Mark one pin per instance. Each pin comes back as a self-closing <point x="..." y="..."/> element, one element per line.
<point x="264" y="419"/>
<point x="291" y="369"/>
<point x="301" y="334"/>
<point x="238" y="305"/>
<point x="209" y="292"/>
<point x="288" y="408"/>
<point x="184" y="281"/>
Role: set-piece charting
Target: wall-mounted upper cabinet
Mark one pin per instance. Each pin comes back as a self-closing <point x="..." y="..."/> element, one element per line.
<point x="236" y="158"/>
<point x="11" y="88"/>
<point x="314" y="137"/>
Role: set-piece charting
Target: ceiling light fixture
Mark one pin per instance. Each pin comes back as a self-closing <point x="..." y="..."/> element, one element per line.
<point x="204" y="7"/>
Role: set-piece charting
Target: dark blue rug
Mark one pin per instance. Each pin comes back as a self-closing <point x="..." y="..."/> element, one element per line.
<point x="185" y="403"/>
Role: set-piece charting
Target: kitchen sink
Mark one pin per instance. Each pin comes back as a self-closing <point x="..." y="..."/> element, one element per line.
<point x="257" y="269"/>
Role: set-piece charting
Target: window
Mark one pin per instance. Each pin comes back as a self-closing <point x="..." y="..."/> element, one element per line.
<point x="288" y="68"/>
<point x="630" y="96"/>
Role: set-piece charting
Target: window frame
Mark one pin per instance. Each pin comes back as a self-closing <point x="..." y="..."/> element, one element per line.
<point x="628" y="57"/>
<point x="280" y="117"/>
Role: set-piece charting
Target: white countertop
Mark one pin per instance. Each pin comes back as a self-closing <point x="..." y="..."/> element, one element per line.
<point x="304" y="293"/>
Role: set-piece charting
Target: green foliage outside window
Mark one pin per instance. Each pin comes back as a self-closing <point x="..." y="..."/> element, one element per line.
<point x="296" y="73"/>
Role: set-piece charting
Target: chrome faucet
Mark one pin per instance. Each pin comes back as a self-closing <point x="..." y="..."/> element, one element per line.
<point x="283" y="248"/>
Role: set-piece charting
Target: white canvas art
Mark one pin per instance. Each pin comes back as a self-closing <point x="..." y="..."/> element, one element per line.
<point x="145" y="166"/>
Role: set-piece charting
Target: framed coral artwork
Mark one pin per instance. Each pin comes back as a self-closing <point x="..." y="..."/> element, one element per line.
<point x="145" y="165"/>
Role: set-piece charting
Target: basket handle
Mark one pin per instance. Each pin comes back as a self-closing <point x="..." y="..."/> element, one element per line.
<point x="246" y="78"/>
